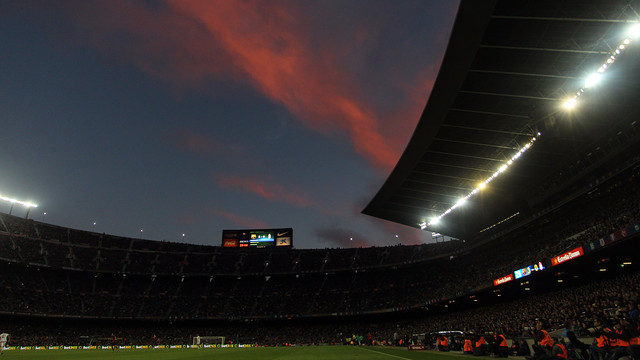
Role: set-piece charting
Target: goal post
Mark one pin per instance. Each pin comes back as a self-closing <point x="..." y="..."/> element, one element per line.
<point x="208" y="340"/>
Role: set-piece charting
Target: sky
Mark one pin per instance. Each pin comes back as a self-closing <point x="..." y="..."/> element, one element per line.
<point x="175" y="119"/>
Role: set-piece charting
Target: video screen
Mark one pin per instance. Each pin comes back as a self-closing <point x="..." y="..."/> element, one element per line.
<point x="257" y="238"/>
<point x="528" y="270"/>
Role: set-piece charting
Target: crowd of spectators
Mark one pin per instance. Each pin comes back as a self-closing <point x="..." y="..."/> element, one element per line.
<point x="569" y="308"/>
<point x="53" y="271"/>
<point x="28" y="241"/>
<point x="50" y="272"/>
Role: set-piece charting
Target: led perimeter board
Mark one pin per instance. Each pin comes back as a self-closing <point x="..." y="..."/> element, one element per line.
<point x="258" y="238"/>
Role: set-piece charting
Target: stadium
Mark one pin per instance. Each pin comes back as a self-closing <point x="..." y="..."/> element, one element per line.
<point x="529" y="165"/>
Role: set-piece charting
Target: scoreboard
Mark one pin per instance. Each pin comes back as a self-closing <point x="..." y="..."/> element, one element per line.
<point x="257" y="238"/>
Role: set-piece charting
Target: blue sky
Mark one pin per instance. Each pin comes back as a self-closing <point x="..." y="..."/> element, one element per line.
<point x="189" y="117"/>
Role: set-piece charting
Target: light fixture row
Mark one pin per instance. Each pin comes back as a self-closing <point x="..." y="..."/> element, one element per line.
<point x="15" y="201"/>
<point x="483" y="184"/>
<point x="590" y="82"/>
<point x="593" y="79"/>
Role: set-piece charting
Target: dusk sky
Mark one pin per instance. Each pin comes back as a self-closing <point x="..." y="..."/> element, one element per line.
<point x="189" y="117"/>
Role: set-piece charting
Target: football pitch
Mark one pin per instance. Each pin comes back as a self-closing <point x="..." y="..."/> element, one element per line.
<point x="300" y="352"/>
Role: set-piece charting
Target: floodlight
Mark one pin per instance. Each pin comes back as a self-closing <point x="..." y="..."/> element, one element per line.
<point x="634" y="31"/>
<point x="592" y="80"/>
<point x="570" y="104"/>
<point x="14" y="201"/>
<point x="483" y="184"/>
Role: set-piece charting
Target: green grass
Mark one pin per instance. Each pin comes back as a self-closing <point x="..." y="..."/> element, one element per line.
<point x="279" y="353"/>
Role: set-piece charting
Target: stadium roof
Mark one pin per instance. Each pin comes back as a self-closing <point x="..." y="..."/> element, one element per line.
<point x="508" y="68"/>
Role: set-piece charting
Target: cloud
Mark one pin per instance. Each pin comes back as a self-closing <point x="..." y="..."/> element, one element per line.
<point x="302" y="56"/>
<point x="239" y="220"/>
<point x="260" y="187"/>
<point x="267" y="43"/>
<point x="186" y="139"/>
<point x="341" y="238"/>
<point x="405" y="235"/>
<point x="188" y="218"/>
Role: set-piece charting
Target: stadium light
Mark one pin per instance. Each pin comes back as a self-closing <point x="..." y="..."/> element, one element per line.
<point x="14" y="201"/>
<point x="500" y="170"/>
<point x="570" y="103"/>
<point x="592" y="79"/>
<point x="460" y="202"/>
<point x="632" y="32"/>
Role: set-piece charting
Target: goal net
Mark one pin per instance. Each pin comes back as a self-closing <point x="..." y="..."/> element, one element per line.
<point x="208" y="340"/>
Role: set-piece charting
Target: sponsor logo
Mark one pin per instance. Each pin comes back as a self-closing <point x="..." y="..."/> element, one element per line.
<point x="230" y="243"/>
<point x="569" y="255"/>
<point x="503" y="280"/>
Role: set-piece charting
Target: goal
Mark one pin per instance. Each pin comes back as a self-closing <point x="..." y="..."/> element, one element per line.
<point x="208" y="340"/>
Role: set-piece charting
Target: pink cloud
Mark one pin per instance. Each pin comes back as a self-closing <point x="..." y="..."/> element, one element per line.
<point x="186" y="139"/>
<point x="342" y="238"/>
<point x="272" y="192"/>
<point x="188" y="219"/>
<point x="267" y="45"/>
<point x="240" y="221"/>
<point x="405" y="235"/>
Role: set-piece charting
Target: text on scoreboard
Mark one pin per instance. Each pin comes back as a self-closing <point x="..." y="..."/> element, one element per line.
<point x="257" y="238"/>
